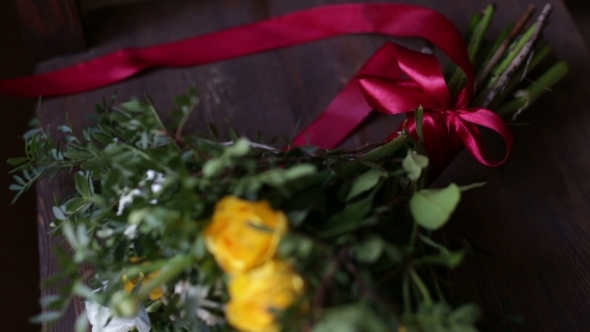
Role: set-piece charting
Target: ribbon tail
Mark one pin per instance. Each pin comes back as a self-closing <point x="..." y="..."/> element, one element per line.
<point x="471" y="136"/>
<point x="344" y="114"/>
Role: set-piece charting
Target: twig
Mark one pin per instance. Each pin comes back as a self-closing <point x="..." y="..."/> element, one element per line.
<point x="365" y="147"/>
<point x="320" y="294"/>
<point x="504" y="46"/>
<point x="522" y="56"/>
<point x="363" y="283"/>
<point x="318" y="300"/>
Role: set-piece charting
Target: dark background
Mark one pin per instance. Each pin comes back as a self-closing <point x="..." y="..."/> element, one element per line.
<point x="19" y="273"/>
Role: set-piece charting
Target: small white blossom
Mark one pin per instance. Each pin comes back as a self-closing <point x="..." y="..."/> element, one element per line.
<point x="187" y="290"/>
<point x="127" y="199"/>
<point x="99" y="316"/>
<point x="157" y="180"/>
<point x="131" y="231"/>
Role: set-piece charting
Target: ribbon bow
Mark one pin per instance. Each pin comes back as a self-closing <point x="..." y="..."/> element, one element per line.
<point x="447" y="124"/>
<point x="380" y="84"/>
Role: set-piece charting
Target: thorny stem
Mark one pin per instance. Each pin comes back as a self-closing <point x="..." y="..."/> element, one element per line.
<point x="520" y="58"/>
<point x="504" y="46"/>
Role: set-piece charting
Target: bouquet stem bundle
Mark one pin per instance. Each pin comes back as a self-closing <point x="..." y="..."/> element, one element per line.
<point x="186" y="233"/>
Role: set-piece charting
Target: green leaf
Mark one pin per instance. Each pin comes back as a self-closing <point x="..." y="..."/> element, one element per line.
<point x="82" y="322"/>
<point x="348" y="219"/>
<point x="364" y="182"/>
<point x="298" y="171"/>
<point x="472" y="186"/>
<point x="58" y="213"/>
<point x="351" y="318"/>
<point x="49" y="300"/>
<point x="419" y="116"/>
<point x="199" y="249"/>
<point x="182" y="100"/>
<point x="240" y="148"/>
<point x="452" y="259"/>
<point x="213" y="130"/>
<point x="431" y="209"/>
<point x="74" y="204"/>
<point x="82" y="185"/>
<point x="17" y="161"/>
<point x="233" y="134"/>
<point x="15" y="187"/>
<point x="297" y="217"/>
<point x="466" y="314"/>
<point x="64" y="129"/>
<point x="213" y="167"/>
<point x="46" y="317"/>
<point x="78" y="155"/>
<point x="369" y="250"/>
<point x="414" y="163"/>
<point x="134" y="106"/>
<point x="19" y="180"/>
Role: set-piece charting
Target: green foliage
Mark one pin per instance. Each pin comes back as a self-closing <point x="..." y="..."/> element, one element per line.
<point x="144" y="193"/>
<point x="433" y="208"/>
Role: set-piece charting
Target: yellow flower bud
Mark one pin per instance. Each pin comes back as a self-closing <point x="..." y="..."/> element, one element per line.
<point x="131" y="283"/>
<point x="244" y="234"/>
<point x="254" y="296"/>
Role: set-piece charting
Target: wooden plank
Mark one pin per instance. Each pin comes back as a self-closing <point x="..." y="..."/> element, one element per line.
<point x="51" y="28"/>
<point x="18" y="244"/>
<point x="532" y="215"/>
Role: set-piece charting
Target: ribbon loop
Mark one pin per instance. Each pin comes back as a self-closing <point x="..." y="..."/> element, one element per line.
<point x="418" y="81"/>
<point x="395" y="80"/>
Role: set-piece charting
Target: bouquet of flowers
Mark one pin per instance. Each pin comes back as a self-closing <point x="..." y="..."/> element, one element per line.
<point x="188" y="232"/>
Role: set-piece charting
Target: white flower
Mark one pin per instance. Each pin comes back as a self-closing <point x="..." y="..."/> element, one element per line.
<point x="126" y="199"/>
<point x="157" y="180"/>
<point x="200" y="293"/>
<point x="98" y="316"/>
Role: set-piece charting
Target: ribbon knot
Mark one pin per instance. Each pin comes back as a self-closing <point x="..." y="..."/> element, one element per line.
<point x="395" y="80"/>
<point x="412" y="79"/>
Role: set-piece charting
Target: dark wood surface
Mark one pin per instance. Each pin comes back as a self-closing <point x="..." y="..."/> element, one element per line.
<point x="51" y="28"/>
<point x="532" y="215"/>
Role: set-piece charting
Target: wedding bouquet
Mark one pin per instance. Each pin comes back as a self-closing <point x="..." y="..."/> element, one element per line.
<point x="191" y="232"/>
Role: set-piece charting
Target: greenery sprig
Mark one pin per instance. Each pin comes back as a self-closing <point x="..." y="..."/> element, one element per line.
<point x="336" y="240"/>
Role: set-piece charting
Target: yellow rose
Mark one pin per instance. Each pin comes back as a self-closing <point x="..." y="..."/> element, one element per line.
<point x="129" y="285"/>
<point x="254" y="296"/>
<point x="235" y="241"/>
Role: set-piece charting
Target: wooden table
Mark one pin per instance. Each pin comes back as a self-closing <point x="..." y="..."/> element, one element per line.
<point x="533" y="214"/>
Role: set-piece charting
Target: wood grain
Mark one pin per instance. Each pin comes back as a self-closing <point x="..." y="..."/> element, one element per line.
<point x="51" y="27"/>
<point x="532" y="215"/>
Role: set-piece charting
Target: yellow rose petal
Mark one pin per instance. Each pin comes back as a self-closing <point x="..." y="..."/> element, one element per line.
<point x="257" y="294"/>
<point x="234" y="239"/>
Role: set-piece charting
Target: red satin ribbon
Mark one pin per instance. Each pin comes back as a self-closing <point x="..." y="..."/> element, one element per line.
<point x="446" y="123"/>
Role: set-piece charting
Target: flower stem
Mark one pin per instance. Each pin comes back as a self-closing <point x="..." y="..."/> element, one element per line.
<point x="457" y="81"/>
<point x="502" y="44"/>
<point x="536" y="89"/>
<point x="421" y="287"/>
<point x="511" y="55"/>
<point x="169" y="271"/>
<point x="538" y="57"/>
